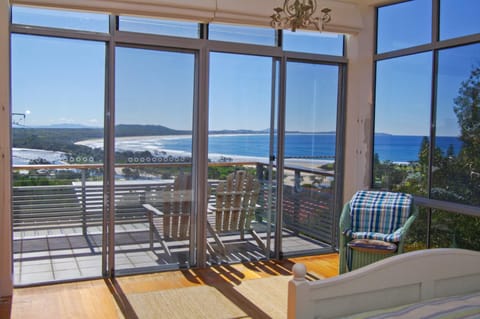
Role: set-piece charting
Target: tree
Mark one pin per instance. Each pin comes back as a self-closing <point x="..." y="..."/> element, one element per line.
<point x="467" y="110"/>
<point x="455" y="178"/>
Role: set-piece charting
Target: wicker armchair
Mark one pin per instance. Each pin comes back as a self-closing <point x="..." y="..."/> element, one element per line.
<point x="373" y="226"/>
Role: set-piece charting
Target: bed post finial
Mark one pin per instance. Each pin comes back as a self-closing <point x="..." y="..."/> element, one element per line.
<point x="299" y="272"/>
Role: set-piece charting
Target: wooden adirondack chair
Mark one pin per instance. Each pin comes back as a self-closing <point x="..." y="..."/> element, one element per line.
<point x="174" y="209"/>
<point x="235" y="203"/>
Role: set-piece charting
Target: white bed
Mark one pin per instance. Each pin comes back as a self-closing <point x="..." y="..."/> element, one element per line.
<point x="393" y="285"/>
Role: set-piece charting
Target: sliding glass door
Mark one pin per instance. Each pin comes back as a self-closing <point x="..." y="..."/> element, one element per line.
<point x="242" y="109"/>
<point x="310" y="157"/>
<point x="154" y="101"/>
<point x="57" y="127"/>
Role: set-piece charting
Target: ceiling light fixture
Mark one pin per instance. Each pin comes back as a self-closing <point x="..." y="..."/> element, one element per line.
<point x="297" y="14"/>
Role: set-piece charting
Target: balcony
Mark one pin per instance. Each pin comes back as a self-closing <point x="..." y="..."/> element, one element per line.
<point x="57" y="227"/>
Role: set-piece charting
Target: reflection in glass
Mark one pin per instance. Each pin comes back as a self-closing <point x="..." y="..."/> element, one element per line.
<point x="158" y="26"/>
<point x="404" y="25"/>
<point x="63" y="19"/>
<point x="402" y="117"/>
<point x="456" y="176"/>
<point x="241" y="34"/>
<point x="458" y="18"/>
<point x="57" y="102"/>
<point x="313" y="42"/>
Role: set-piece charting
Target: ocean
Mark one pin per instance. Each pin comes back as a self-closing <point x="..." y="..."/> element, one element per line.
<point x="394" y="148"/>
<point x="398" y="148"/>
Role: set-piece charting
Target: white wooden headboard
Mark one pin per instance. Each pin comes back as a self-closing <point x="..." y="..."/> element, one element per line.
<point x="398" y="280"/>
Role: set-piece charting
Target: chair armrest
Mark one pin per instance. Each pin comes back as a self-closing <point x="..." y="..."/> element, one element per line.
<point x="152" y="210"/>
<point x="406" y="227"/>
<point x="411" y="219"/>
<point x="345" y="221"/>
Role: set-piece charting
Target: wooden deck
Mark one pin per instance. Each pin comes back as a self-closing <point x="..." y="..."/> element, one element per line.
<point x="108" y="298"/>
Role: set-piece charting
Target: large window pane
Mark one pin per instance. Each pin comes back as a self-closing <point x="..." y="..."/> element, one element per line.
<point x="313" y="42"/>
<point x="57" y="102"/>
<point x="154" y="94"/>
<point x="60" y="19"/>
<point x="157" y="26"/>
<point x="458" y="18"/>
<point x="241" y="34"/>
<point x="402" y="117"/>
<point x="457" y="156"/>
<point x="404" y="25"/>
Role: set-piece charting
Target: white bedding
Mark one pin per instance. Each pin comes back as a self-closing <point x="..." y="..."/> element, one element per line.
<point x="455" y="307"/>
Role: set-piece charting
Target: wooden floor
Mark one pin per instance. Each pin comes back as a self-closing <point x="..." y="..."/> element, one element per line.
<point x="107" y="298"/>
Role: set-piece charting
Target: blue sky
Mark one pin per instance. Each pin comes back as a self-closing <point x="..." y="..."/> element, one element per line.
<point x="404" y="85"/>
<point x="63" y="82"/>
<point x="58" y="81"/>
<point x="154" y="87"/>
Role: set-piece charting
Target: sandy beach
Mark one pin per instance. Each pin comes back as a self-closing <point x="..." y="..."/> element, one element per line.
<point x="154" y="144"/>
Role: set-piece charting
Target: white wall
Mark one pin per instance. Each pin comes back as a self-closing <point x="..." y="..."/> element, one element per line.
<point x="359" y="122"/>
<point x="6" y="282"/>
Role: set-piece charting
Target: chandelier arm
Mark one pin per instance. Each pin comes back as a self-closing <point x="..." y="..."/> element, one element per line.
<point x="313" y="5"/>
<point x="291" y="9"/>
<point x="298" y="14"/>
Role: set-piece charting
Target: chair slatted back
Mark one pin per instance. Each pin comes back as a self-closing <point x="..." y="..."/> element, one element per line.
<point x="236" y="198"/>
<point x="177" y="205"/>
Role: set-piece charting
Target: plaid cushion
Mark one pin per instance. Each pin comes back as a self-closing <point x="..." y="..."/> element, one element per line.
<point x="378" y="215"/>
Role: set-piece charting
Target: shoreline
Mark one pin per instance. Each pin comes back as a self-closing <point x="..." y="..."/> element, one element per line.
<point x="21" y="156"/>
<point x="155" y="144"/>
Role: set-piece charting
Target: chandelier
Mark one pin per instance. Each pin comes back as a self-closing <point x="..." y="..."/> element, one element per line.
<point x="298" y="14"/>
